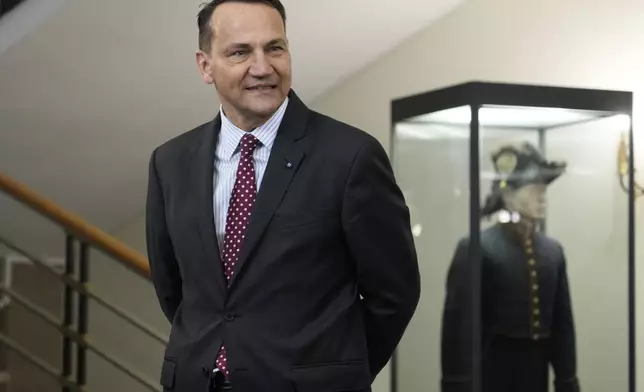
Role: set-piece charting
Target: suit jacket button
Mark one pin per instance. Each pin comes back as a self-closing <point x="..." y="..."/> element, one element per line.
<point x="229" y="317"/>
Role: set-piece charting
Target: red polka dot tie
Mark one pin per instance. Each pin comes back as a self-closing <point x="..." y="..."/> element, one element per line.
<point x="241" y="204"/>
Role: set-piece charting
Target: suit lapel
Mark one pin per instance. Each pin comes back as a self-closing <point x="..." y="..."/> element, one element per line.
<point x="286" y="156"/>
<point x="203" y="180"/>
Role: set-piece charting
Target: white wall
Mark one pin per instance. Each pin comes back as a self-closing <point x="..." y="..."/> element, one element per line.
<point x="593" y="44"/>
<point x="23" y="19"/>
<point x="135" y="294"/>
<point x="572" y="43"/>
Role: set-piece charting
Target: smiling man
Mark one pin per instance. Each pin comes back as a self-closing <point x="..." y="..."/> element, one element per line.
<point x="279" y="243"/>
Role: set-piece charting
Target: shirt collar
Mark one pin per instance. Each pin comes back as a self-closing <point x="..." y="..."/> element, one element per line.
<point x="231" y="135"/>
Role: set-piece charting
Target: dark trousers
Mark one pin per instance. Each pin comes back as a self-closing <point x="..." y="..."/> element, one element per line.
<point x="515" y="365"/>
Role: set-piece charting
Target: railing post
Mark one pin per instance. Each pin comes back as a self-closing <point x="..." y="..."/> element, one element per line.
<point x="68" y="310"/>
<point x="83" y="319"/>
<point x="5" y="264"/>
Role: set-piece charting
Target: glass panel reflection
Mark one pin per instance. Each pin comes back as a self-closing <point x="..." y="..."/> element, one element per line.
<point x="432" y="167"/>
<point x="510" y="116"/>
<point x="587" y="213"/>
<point x="554" y="269"/>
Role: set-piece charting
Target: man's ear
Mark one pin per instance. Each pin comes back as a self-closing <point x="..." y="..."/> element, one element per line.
<point x="204" y="65"/>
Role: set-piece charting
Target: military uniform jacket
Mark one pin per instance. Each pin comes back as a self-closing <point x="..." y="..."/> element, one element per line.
<point x="524" y="294"/>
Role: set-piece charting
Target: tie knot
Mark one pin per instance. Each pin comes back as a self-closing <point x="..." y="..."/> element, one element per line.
<point x="248" y="144"/>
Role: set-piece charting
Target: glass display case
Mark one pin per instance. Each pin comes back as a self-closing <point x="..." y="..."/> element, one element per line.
<point x="525" y="237"/>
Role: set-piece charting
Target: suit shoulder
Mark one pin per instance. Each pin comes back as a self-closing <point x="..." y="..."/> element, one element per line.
<point x="550" y="241"/>
<point x="182" y="143"/>
<point x="487" y="235"/>
<point x="328" y="129"/>
<point x="489" y="239"/>
<point x="462" y="246"/>
<point x="491" y="235"/>
<point x="551" y="246"/>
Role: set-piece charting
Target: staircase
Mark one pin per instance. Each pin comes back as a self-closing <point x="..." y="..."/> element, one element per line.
<point x="46" y="340"/>
<point x="8" y="5"/>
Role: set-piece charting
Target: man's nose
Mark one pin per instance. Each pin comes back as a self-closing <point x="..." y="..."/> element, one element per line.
<point x="260" y="67"/>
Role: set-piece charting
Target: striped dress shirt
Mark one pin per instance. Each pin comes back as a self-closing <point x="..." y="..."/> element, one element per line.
<point x="227" y="159"/>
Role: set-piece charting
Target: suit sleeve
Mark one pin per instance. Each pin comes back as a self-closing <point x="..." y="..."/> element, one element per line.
<point x="164" y="268"/>
<point x="564" y="356"/>
<point x="377" y="229"/>
<point x="455" y="345"/>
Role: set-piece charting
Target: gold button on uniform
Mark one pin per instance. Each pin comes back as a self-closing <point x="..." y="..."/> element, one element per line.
<point x="534" y="280"/>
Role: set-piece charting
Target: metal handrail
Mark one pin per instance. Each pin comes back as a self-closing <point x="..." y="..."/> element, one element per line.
<point x="76" y="284"/>
<point x="79" y="339"/>
<point x="42" y="365"/>
<point x="84" y="290"/>
<point x="76" y="225"/>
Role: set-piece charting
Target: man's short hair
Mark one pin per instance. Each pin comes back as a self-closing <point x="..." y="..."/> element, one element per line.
<point x="205" y="15"/>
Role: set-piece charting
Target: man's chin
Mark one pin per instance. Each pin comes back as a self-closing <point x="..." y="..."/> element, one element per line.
<point x="264" y="107"/>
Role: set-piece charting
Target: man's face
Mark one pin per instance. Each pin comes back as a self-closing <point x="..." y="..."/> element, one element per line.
<point x="249" y="62"/>
<point x="529" y="201"/>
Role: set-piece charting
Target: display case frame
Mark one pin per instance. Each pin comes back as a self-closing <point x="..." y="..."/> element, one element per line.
<point x="477" y="94"/>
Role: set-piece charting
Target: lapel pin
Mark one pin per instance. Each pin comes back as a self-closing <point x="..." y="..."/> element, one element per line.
<point x="289" y="164"/>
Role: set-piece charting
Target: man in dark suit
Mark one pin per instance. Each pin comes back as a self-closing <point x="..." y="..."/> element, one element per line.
<point x="279" y="242"/>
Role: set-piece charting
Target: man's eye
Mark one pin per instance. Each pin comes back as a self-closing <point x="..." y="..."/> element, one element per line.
<point x="276" y="48"/>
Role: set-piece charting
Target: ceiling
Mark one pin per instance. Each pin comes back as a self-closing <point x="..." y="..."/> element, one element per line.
<point x="95" y="86"/>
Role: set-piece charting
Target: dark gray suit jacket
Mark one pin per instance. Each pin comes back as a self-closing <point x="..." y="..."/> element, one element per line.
<point x="327" y="279"/>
